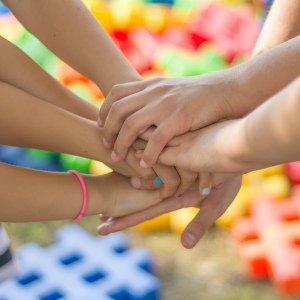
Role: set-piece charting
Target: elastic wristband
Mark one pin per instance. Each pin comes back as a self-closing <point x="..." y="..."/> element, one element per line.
<point x="85" y="194"/>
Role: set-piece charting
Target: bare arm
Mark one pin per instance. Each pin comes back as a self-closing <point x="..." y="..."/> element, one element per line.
<point x="71" y="32"/>
<point x="29" y="195"/>
<point x="282" y="24"/>
<point x="20" y="71"/>
<point x="26" y="121"/>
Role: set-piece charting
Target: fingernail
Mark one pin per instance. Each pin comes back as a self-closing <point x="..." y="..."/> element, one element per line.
<point x="109" y="220"/>
<point x="143" y="164"/>
<point x="158" y="180"/>
<point x="101" y="226"/>
<point x="136" y="182"/>
<point x="190" y="239"/>
<point x="113" y="156"/>
<point x="100" y="122"/>
<point x="180" y="195"/>
<point x="105" y="143"/>
<point x="220" y="184"/>
<point x="139" y="151"/>
<point x="205" y="191"/>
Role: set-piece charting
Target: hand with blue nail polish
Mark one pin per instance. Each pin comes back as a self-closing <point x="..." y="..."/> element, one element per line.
<point x="158" y="180"/>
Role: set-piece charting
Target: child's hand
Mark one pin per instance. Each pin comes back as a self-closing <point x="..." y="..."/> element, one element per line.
<point x="119" y="197"/>
<point x="175" y="106"/>
<point x="211" y="208"/>
<point x="176" y="181"/>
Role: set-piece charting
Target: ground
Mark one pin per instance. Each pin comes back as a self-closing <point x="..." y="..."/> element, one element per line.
<point x="211" y="271"/>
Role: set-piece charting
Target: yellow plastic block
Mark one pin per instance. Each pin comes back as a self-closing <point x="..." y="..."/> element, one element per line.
<point x="160" y="223"/>
<point x="276" y="186"/>
<point x="181" y="218"/>
<point x="239" y="206"/>
<point x="121" y="14"/>
<point x="104" y="16"/>
<point x="155" y="17"/>
<point x="99" y="168"/>
<point x="234" y="211"/>
<point x="256" y="176"/>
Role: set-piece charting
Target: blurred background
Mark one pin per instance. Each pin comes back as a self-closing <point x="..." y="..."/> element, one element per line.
<point x="174" y="38"/>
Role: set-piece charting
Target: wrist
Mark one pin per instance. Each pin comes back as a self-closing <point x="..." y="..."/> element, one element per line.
<point x="241" y="93"/>
<point x="97" y="194"/>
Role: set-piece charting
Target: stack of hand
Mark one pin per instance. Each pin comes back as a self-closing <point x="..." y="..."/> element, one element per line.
<point x="169" y="115"/>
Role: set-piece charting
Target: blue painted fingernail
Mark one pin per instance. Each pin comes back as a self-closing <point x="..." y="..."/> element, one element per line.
<point x="158" y="180"/>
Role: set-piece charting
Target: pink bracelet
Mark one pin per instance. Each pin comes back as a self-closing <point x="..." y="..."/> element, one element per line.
<point x="85" y="195"/>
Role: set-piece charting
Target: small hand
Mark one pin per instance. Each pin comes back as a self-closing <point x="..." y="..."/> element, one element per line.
<point x="175" y="181"/>
<point x="211" y="208"/>
<point x="121" y="198"/>
<point x="175" y="106"/>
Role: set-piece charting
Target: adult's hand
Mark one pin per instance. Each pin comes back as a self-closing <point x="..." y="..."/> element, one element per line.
<point x="175" y="106"/>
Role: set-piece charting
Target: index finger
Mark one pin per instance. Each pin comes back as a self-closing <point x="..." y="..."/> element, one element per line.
<point x="119" y="91"/>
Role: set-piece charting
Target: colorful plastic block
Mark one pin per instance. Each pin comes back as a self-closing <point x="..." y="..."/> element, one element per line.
<point x="293" y="171"/>
<point x="3" y="9"/>
<point x="268" y="242"/>
<point x="24" y="158"/>
<point x="80" y="266"/>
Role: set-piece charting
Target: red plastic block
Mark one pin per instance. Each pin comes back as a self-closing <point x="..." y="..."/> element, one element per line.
<point x="234" y="31"/>
<point x="138" y="46"/>
<point x="179" y="37"/>
<point x="293" y="171"/>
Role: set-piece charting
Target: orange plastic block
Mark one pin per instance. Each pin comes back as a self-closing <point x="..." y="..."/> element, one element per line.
<point x="251" y="251"/>
<point x="266" y="210"/>
<point x="269" y="242"/>
<point x="281" y="242"/>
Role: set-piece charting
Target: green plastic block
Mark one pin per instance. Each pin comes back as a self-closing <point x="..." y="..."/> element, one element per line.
<point x="71" y="162"/>
<point x="41" y="155"/>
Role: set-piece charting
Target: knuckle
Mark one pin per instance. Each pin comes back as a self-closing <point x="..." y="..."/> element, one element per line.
<point x="181" y="113"/>
<point x="156" y="79"/>
<point x="199" y="227"/>
<point x="158" y="137"/>
<point x="116" y="89"/>
<point x="189" y="178"/>
<point x="174" y="182"/>
<point x="148" y="175"/>
<point x="129" y="123"/>
<point x="116" y="108"/>
<point x="168" y="100"/>
<point x="161" y="88"/>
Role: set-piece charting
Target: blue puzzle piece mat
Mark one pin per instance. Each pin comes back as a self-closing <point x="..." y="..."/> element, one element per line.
<point x="80" y="266"/>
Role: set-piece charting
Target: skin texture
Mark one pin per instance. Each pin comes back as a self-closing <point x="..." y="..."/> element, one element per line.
<point x="266" y="84"/>
<point x="178" y="105"/>
<point x="99" y="64"/>
<point x="268" y="136"/>
<point x="30" y="195"/>
<point x="282" y="24"/>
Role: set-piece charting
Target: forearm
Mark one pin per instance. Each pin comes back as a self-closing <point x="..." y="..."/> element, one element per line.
<point x="29" y="195"/>
<point x="26" y="121"/>
<point x="70" y="31"/>
<point x="20" y="71"/>
<point x="256" y="80"/>
<point x="270" y="135"/>
<point x="282" y="24"/>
